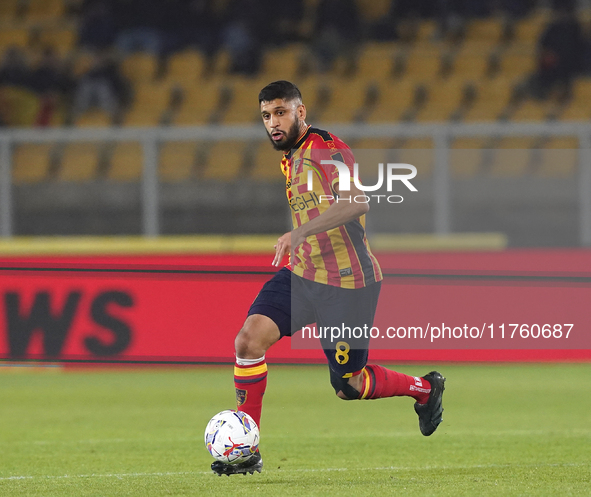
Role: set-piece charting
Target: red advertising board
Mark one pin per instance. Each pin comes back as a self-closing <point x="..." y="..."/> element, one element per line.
<point x="189" y="308"/>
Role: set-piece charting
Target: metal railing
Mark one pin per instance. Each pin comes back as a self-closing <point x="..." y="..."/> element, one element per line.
<point x="442" y="135"/>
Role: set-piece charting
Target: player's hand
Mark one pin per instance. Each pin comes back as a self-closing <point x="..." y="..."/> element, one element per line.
<point x="282" y="247"/>
<point x="287" y="244"/>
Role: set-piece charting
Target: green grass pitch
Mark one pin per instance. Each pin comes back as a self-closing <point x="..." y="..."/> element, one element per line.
<point x="508" y="430"/>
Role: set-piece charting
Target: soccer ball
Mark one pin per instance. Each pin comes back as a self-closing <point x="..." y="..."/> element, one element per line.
<point x="232" y="437"/>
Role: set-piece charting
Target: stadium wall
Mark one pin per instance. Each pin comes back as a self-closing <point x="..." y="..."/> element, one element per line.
<point x="186" y="308"/>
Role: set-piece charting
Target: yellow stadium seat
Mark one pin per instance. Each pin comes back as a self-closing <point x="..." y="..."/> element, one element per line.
<point x="43" y="10"/>
<point x="465" y="156"/>
<point x="376" y="61"/>
<point x="373" y="10"/>
<point x="177" y="161"/>
<point x="517" y="63"/>
<point x="79" y="162"/>
<point x="471" y="62"/>
<point x="490" y="29"/>
<point x="185" y="67"/>
<point x="149" y="103"/>
<point x="18" y="37"/>
<point x="199" y="103"/>
<point x="20" y="107"/>
<point x="221" y="63"/>
<point x="267" y="163"/>
<point x="244" y="105"/>
<point x="225" y="161"/>
<point x="143" y="116"/>
<point x="579" y="107"/>
<point x="31" y="162"/>
<point x="419" y="153"/>
<point x="126" y="162"/>
<point x="582" y="89"/>
<point x="443" y="99"/>
<point x="62" y="40"/>
<point x="282" y="63"/>
<point x="512" y="157"/>
<point x="394" y="100"/>
<point x="576" y="112"/>
<point x="93" y="118"/>
<point x="139" y="67"/>
<point x="309" y="90"/>
<point x="8" y="9"/>
<point x="426" y="31"/>
<point x="423" y="64"/>
<point x="372" y="144"/>
<point x="346" y="99"/>
<point x="559" y="158"/>
<point x="533" y="110"/>
<point x="529" y="30"/>
<point x="493" y="96"/>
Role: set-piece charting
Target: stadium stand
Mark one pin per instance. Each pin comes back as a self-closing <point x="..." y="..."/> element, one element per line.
<point x="199" y="103"/>
<point x="177" y="161"/>
<point x="79" y="162"/>
<point x="512" y="157"/>
<point x="393" y="101"/>
<point x="31" y="163"/>
<point x="265" y="165"/>
<point x="45" y="10"/>
<point x="125" y="162"/>
<point x="416" y="72"/>
<point x="139" y="67"/>
<point x="224" y="161"/>
<point x="559" y="158"/>
<point x="466" y="156"/>
<point x="150" y="102"/>
<point x="8" y="10"/>
<point x="185" y="68"/>
<point x="242" y="105"/>
<point x="63" y="40"/>
<point x="13" y="37"/>
<point x="419" y="153"/>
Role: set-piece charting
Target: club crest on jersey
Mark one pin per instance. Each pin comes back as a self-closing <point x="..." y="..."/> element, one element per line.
<point x="296" y="165"/>
<point x="240" y="397"/>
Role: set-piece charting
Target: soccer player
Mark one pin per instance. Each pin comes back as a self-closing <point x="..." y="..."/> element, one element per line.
<point x="332" y="278"/>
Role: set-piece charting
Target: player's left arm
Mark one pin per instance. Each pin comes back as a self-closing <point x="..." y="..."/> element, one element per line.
<point x="338" y="214"/>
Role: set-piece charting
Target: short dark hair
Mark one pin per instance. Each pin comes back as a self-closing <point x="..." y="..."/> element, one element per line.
<point x="284" y="90"/>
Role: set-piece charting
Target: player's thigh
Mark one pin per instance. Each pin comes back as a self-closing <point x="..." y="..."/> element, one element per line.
<point x="258" y="333"/>
<point x="346" y="317"/>
<point x="282" y="301"/>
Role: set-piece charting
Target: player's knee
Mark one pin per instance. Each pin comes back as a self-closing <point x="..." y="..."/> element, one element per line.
<point x="257" y="334"/>
<point x="244" y="343"/>
<point x="342" y="387"/>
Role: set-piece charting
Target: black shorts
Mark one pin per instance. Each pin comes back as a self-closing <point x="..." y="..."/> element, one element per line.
<point x="293" y="302"/>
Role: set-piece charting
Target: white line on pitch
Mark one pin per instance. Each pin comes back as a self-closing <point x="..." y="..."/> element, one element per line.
<point x="572" y="433"/>
<point x="304" y="470"/>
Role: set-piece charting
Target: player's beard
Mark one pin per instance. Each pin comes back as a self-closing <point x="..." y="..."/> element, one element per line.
<point x="289" y="140"/>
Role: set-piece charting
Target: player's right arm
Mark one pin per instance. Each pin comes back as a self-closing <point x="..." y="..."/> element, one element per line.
<point x="338" y="214"/>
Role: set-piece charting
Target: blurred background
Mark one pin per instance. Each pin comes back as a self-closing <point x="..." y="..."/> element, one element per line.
<point x="141" y="116"/>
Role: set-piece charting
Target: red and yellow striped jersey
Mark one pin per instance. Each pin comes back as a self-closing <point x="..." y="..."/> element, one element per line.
<point x="340" y="256"/>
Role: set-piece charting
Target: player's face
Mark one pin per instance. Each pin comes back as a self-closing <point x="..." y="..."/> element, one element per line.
<point x="283" y="121"/>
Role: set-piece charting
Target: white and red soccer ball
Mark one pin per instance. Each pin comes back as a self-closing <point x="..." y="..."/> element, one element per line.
<point x="232" y="437"/>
